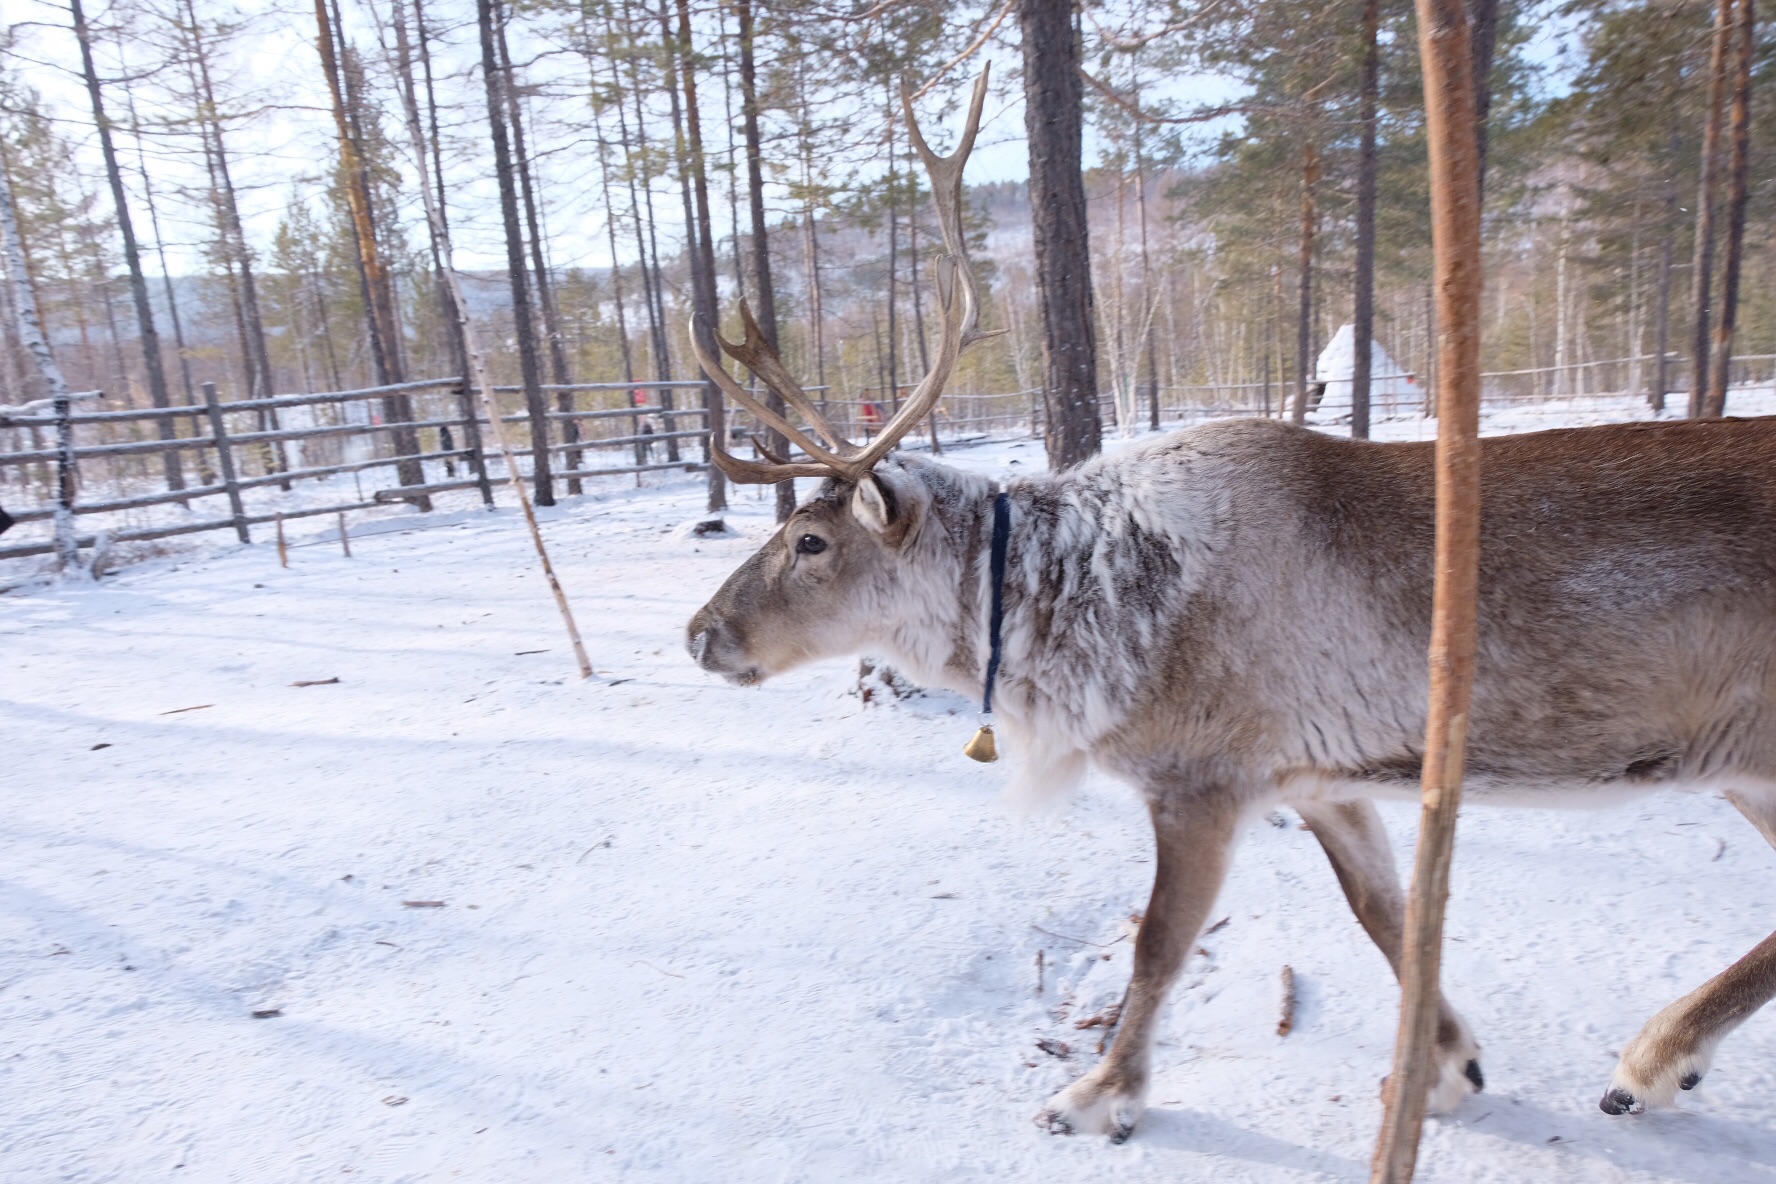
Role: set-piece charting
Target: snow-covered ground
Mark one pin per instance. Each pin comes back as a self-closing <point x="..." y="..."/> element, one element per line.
<point x="694" y="933"/>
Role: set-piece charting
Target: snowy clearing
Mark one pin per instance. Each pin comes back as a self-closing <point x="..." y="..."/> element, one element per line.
<point x="671" y="930"/>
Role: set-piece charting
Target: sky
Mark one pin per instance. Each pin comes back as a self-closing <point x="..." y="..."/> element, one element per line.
<point x="281" y="150"/>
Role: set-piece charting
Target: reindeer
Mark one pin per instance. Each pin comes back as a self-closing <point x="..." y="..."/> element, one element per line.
<point x="1237" y="615"/>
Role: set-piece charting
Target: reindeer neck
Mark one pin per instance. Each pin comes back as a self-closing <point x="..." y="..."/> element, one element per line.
<point x="1091" y="586"/>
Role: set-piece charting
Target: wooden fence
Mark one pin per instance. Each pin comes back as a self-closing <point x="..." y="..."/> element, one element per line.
<point x="155" y="473"/>
<point x="240" y="447"/>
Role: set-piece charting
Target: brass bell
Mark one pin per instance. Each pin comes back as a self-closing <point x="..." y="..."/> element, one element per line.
<point x="982" y="748"/>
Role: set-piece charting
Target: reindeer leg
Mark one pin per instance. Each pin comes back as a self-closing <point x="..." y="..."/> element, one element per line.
<point x="1193" y="829"/>
<point x="1363" y="860"/>
<point x="1677" y="1046"/>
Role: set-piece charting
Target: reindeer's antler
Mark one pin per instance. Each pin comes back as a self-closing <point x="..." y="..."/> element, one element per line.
<point x="961" y="312"/>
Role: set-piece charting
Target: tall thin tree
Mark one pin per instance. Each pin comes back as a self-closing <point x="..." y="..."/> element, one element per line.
<point x="560" y="372"/>
<point x="1310" y="184"/>
<point x="1702" y="274"/>
<point x="647" y="242"/>
<point x="1738" y="174"/>
<point x="381" y="318"/>
<point x="493" y="78"/>
<point x="1363" y="314"/>
<point x="237" y="255"/>
<point x="132" y="257"/>
<point x="699" y="231"/>
<point x="764" y="292"/>
<point x="1054" y="128"/>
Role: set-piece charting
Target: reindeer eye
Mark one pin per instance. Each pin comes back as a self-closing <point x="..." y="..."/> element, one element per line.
<point x="810" y="544"/>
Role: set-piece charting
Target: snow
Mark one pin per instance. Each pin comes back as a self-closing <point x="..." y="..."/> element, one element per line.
<point x="696" y="933"/>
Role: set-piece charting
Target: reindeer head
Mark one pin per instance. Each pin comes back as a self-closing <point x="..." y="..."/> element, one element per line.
<point x="826" y="583"/>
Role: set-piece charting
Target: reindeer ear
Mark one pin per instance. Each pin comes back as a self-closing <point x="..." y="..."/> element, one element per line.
<point x="873" y="504"/>
<point x="883" y="505"/>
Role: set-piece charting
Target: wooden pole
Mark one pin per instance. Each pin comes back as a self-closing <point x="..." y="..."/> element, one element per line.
<point x="344" y="539"/>
<point x="283" y="548"/>
<point x="1453" y="133"/>
<point x="225" y="460"/>
<point x="477" y="358"/>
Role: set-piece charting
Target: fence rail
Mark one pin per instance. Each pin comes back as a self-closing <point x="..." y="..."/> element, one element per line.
<point x="77" y="463"/>
<point x="281" y="456"/>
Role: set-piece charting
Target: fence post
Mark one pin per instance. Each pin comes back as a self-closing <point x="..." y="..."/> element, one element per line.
<point x="667" y="423"/>
<point x="472" y="437"/>
<point x="225" y="460"/>
<point x="570" y="434"/>
<point x="67" y="545"/>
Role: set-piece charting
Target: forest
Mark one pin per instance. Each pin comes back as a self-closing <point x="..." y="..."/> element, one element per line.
<point x="233" y="194"/>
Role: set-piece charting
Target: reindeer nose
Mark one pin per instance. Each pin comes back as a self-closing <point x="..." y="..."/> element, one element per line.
<point x="698" y="645"/>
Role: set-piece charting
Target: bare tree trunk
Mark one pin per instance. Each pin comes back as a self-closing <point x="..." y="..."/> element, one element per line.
<point x="1147" y="297"/>
<point x="437" y="231"/>
<point x="234" y="240"/>
<point x="1482" y="42"/>
<point x="150" y="336"/>
<point x="448" y="320"/>
<point x="1738" y="173"/>
<point x="1276" y="343"/>
<point x="1363" y="315"/>
<point x="382" y="321"/>
<point x="559" y="370"/>
<point x="891" y="393"/>
<point x="761" y="254"/>
<point x="646" y="242"/>
<point x="816" y="315"/>
<point x="1053" y="125"/>
<point x="695" y="182"/>
<point x="477" y="359"/>
<point x="1702" y="276"/>
<point x="1310" y="179"/>
<point x="30" y="329"/>
<point x="1667" y="249"/>
<point x="610" y="226"/>
<point x="536" y="408"/>
<point x="330" y="43"/>
<point x="166" y="276"/>
<point x="811" y="239"/>
<point x="326" y="320"/>
<point x="917" y="289"/>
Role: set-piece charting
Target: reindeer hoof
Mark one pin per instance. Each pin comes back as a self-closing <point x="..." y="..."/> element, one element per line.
<point x="1097" y="1104"/>
<point x="1665" y="1058"/>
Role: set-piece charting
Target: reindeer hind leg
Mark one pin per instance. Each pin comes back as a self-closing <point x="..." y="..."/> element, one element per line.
<point x="1357" y="845"/>
<point x="1675" y="1048"/>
